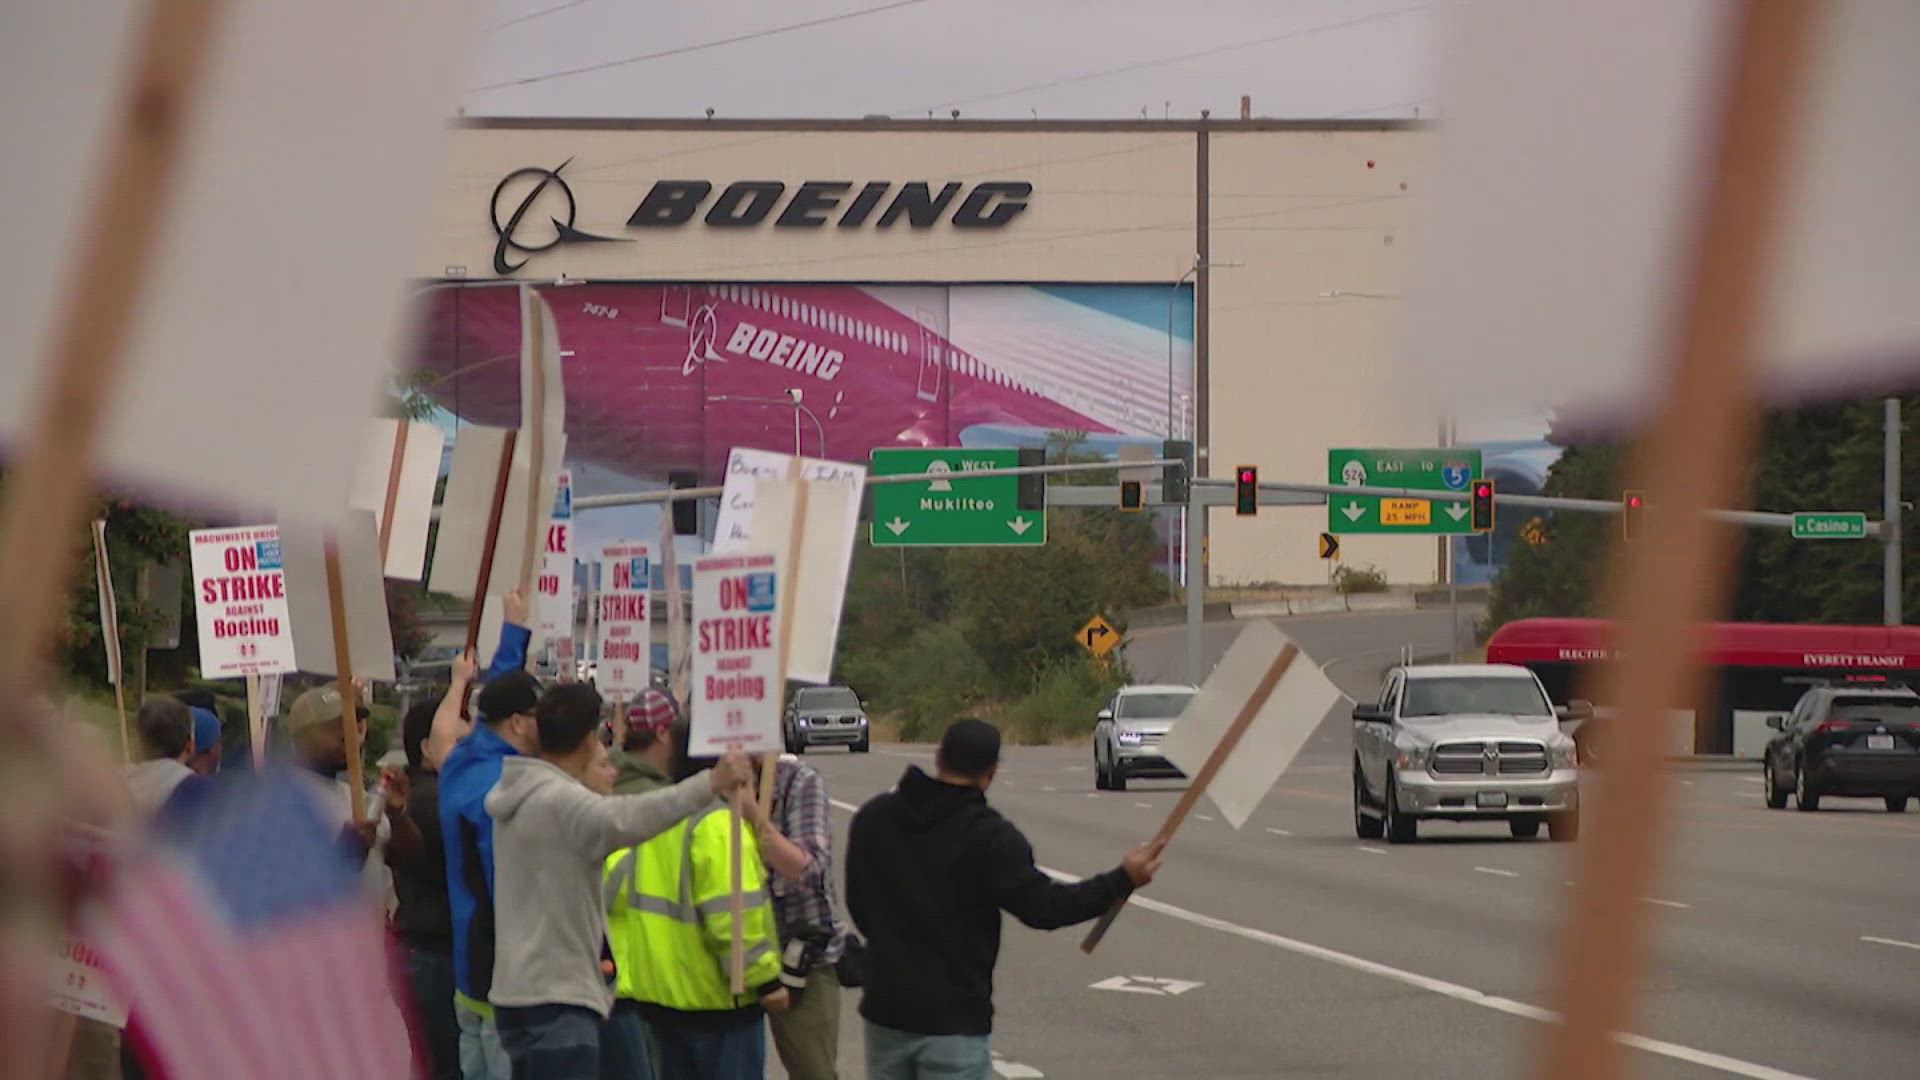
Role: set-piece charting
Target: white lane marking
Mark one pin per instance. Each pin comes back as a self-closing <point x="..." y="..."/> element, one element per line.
<point x="1279" y="832"/>
<point x="1013" y="1070"/>
<point x="1496" y="872"/>
<point x="1688" y="783"/>
<point x="847" y="806"/>
<point x="1093" y="794"/>
<point x="1144" y="805"/>
<point x="1754" y="779"/>
<point x="1372" y="850"/>
<point x="1664" y="903"/>
<point x="1890" y="941"/>
<point x="1145" y="984"/>
<point x="1203" y="817"/>
<point x="1705" y="1058"/>
<point x="1044" y="787"/>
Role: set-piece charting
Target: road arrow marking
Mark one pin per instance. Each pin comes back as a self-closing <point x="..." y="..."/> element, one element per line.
<point x="897" y="525"/>
<point x="1456" y="511"/>
<point x="1353" y="511"/>
<point x="1019" y="526"/>
<point x="1142" y="984"/>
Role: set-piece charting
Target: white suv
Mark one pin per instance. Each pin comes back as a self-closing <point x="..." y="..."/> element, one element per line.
<point x="1128" y="732"/>
<point x="1463" y="742"/>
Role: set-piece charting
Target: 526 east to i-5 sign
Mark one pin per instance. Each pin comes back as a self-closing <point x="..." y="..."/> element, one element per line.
<point x="1443" y="469"/>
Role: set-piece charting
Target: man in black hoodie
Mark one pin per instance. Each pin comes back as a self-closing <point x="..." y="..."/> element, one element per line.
<point x="930" y="867"/>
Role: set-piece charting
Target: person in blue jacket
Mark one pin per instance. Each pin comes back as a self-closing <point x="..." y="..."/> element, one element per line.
<point x="505" y="726"/>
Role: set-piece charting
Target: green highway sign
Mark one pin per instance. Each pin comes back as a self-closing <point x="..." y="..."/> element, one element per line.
<point x="1450" y="470"/>
<point x="951" y="512"/>
<point x="1818" y="525"/>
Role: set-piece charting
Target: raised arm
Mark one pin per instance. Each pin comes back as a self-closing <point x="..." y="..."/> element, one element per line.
<point x="449" y="725"/>
<point x="515" y="635"/>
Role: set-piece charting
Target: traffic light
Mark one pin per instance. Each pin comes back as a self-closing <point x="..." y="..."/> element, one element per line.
<point x="686" y="512"/>
<point x="1173" y="478"/>
<point x="1483" y="506"/>
<point x="1031" y="492"/>
<point x="1633" y="514"/>
<point x="1246" y="490"/>
<point x="1130" y="496"/>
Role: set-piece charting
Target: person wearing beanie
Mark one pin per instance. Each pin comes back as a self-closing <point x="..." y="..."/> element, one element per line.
<point x="206" y="742"/>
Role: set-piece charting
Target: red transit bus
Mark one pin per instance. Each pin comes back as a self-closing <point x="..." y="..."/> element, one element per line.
<point x="1763" y="669"/>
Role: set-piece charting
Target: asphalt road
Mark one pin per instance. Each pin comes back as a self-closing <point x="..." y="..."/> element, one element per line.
<point x="1789" y="943"/>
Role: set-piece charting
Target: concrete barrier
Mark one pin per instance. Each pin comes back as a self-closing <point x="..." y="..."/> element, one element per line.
<point x="1323" y="605"/>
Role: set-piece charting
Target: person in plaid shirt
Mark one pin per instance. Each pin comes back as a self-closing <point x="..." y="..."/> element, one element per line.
<point x="796" y="842"/>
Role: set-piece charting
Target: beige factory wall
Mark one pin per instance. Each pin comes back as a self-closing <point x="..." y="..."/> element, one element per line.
<point x="1295" y="370"/>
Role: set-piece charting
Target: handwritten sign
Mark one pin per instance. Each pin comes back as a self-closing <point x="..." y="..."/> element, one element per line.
<point x="240" y="599"/>
<point x="79" y="985"/>
<point x="734" y="529"/>
<point x="737" y="687"/>
<point x="625" y="637"/>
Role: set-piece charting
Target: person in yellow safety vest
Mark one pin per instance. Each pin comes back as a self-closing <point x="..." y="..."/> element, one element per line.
<point x="670" y="929"/>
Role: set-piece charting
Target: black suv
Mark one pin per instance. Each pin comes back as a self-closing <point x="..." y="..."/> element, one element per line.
<point x="1847" y="741"/>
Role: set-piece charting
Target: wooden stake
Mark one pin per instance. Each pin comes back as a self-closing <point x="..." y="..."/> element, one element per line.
<point x="533" y="418"/>
<point x="110" y="634"/>
<point x="394" y="465"/>
<point x="349" y="693"/>
<point x="1190" y="797"/>
<point x="736" y="906"/>
<point x="494" y="512"/>
<point x="52" y="477"/>
<point x="1695" y="458"/>
<point x="256" y="723"/>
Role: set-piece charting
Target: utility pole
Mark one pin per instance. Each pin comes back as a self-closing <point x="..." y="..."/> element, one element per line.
<point x="1893" y="585"/>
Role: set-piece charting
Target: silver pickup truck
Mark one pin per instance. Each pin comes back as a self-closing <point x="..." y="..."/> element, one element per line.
<point x="1463" y="742"/>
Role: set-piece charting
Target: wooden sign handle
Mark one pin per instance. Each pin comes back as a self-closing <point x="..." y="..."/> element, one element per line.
<point x="533" y="419"/>
<point x="494" y="511"/>
<point x="1190" y="797"/>
<point x="395" y="465"/>
<point x="343" y="678"/>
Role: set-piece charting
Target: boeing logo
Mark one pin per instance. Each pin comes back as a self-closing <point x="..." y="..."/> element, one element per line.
<point x="533" y="210"/>
<point x="561" y="213"/>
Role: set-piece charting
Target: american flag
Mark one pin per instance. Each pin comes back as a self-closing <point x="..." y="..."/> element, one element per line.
<point x="247" y="946"/>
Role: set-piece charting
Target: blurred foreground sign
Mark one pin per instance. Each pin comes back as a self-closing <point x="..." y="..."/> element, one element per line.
<point x="1555" y="235"/>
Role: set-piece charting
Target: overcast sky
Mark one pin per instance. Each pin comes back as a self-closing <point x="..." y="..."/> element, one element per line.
<point x="987" y="58"/>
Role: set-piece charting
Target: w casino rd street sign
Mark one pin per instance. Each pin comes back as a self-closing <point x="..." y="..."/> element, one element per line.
<point x="1449" y="470"/>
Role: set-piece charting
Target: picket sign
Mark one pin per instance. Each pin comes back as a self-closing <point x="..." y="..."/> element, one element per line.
<point x="1274" y="668"/>
<point x="398" y="468"/>
<point x="240" y="601"/>
<point x="555" y="590"/>
<point x="110" y="632"/>
<point x="622" y="640"/>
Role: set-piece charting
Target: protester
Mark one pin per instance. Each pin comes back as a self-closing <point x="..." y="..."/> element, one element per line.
<point x="418" y="857"/>
<point x="930" y="867"/>
<point x="644" y="750"/>
<point x="206" y="742"/>
<point x="796" y="840"/>
<point x="165" y="730"/>
<point x="469" y="763"/>
<point x="319" y="743"/>
<point x="670" y="925"/>
<point x="552" y="835"/>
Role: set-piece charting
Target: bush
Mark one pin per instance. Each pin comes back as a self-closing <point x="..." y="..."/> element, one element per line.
<point x="1063" y="702"/>
<point x="1359" y="579"/>
<point x="936" y="677"/>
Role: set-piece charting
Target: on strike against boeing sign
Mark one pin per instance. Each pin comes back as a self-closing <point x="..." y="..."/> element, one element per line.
<point x="240" y="600"/>
<point x="623" y="644"/>
<point x="736" y="653"/>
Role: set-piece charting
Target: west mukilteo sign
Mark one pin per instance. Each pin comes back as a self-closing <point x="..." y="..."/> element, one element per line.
<point x="533" y="209"/>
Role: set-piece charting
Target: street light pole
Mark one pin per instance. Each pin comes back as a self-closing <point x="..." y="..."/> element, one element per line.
<point x="1893" y="582"/>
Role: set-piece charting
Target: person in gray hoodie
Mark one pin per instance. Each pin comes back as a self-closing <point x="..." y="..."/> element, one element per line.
<point x="551" y="837"/>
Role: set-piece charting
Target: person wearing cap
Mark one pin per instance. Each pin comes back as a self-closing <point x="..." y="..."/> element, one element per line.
<point x="319" y="743"/>
<point x="206" y="742"/>
<point x="930" y="867"/>
<point x="504" y="727"/>
<point x="644" y="753"/>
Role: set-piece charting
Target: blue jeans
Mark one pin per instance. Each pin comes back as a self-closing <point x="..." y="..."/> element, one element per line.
<point x="550" y="1042"/>
<point x="481" y="1057"/>
<point x="626" y="1045"/>
<point x="902" y="1055"/>
<point x="737" y="1052"/>
<point x="437" y="1042"/>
